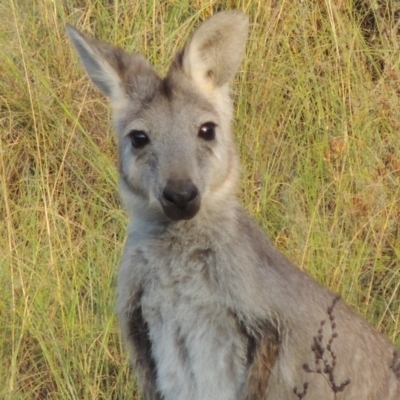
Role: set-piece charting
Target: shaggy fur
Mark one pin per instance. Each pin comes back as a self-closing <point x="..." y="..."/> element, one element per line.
<point x="208" y="307"/>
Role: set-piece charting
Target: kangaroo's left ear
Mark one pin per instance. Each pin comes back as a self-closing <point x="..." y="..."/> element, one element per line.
<point x="215" y="51"/>
<point x="115" y="72"/>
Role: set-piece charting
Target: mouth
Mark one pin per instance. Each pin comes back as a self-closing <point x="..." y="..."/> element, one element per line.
<point x="177" y="213"/>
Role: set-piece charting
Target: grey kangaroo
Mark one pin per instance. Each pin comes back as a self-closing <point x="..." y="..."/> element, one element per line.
<point x="208" y="307"/>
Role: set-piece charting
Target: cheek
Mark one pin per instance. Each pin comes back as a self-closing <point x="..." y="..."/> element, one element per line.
<point x="213" y="167"/>
<point x="138" y="172"/>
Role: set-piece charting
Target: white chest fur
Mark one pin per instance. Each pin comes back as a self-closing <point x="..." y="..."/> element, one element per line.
<point x="197" y="343"/>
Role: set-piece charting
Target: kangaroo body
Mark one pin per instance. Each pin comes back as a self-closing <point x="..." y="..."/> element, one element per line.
<point x="208" y="307"/>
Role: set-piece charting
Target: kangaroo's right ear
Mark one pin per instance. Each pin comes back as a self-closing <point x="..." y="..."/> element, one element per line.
<point x="215" y="51"/>
<point x="116" y="73"/>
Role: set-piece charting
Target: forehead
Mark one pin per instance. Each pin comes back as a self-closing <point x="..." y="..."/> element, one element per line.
<point x="166" y="103"/>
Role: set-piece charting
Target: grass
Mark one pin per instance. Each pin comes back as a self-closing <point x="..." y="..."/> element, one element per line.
<point x="317" y="123"/>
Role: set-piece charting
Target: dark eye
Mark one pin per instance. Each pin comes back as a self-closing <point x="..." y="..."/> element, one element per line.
<point x="139" y="139"/>
<point x="207" y="131"/>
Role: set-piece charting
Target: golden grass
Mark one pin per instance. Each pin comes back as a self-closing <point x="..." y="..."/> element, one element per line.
<point x="317" y="124"/>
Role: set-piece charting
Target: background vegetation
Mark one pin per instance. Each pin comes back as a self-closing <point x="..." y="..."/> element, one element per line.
<point x="318" y="126"/>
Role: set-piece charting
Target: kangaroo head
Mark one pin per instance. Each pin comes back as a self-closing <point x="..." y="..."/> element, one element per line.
<point x="176" y="153"/>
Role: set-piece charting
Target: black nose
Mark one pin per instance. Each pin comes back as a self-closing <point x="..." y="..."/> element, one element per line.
<point x="180" y="192"/>
<point x="180" y="199"/>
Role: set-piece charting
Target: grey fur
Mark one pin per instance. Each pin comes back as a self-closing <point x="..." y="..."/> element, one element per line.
<point x="209" y="309"/>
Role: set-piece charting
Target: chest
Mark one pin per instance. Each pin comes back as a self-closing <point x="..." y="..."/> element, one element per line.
<point x="198" y="346"/>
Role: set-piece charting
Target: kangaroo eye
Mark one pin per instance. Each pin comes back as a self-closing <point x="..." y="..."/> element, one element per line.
<point x="139" y="139"/>
<point x="207" y="131"/>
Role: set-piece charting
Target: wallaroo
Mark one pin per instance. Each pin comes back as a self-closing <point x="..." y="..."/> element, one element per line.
<point x="208" y="307"/>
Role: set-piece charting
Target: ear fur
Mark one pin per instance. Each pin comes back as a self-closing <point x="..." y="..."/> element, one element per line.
<point x="215" y="51"/>
<point x="116" y="73"/>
